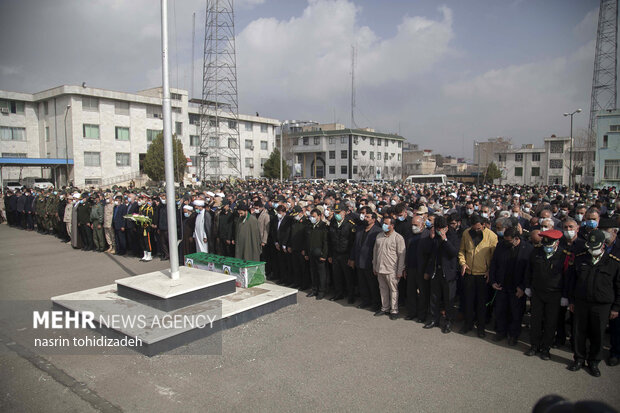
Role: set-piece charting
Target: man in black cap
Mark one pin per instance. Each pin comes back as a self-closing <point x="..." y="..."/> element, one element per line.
<point x="299" y="225"/>
<point x="315" y="252"/>
<point x="595" y="298"/>
<point x="341" y="238"/>
<point x="545" y="284"/>
<point x="612" y="246"/>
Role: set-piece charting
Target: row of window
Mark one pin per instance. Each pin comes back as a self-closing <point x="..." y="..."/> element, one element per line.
<point x="121" y="133"/>
<point x="344" y="140"/>
<point x="94" y="159"/>
<point x="213" y="161"/>
<point x="10" y="133"/>
<point x="344" y="155"/>
<point x="12" y="106"/>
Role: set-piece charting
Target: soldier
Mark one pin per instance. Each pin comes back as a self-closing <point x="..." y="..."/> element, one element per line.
<point x="546" y="286"/>
<point x="83" y="219"/>
<point x="108" y="215"/>
<point x="341" y="238"/>
<point x="595" y="299"/>
<point x="145" y="229"/>
<point x="96" y="223"/>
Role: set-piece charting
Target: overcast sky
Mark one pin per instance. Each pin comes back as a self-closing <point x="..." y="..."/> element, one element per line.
<point x="442" y="73"/>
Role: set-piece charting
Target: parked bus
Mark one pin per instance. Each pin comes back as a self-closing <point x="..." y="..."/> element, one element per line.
<point x="426" y="179"/>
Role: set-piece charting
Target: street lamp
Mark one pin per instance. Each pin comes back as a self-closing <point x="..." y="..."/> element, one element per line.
<point x="66" y="148"/>
<point x="570" y="167"/>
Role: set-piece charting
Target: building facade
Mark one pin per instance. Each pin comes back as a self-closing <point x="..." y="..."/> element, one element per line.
<point x="607" y="158"/>
<point x="484" y="152"/>
<point x="104" y="135"/>
<point x="416" y="161"/>
<point x="332" y="151"/>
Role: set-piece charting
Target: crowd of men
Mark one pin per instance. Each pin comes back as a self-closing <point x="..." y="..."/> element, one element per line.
<point x="426" y="248"/>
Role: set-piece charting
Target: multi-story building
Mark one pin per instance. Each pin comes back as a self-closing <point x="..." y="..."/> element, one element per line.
<point x="92" y="136"/>
<point x="418" y="162"/>
<point x="607" y="159"/>
<point x="484" y="152"/>
<point x="547" y="165"/>
<point x="332" y="151"/>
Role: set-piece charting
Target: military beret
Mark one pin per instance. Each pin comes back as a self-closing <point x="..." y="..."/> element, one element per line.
<point x="553" y="234"/>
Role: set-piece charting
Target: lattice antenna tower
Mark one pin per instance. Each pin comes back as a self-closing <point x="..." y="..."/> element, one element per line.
<point x="219" y="153"/>
<point x="604" y="79"/>
<point x="353" y="57"/>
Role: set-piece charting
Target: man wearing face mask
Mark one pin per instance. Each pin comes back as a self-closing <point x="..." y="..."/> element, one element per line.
<point x="595" y="299"/>
<point x="389" y="266"/>
<point x="612" y="247"/>
<point x="341" y="238"/>
<point x="118" y="225"/>
<point x="507" y="277"/>
<point x="315" y="251"/>
<point x="131" y="233"/>
<point x="590" y="222"/>
<point x="360" y="259"/>
<point x="546" y="286"/>
<point x="281" y="233"/>
<point x="202" y="229"/>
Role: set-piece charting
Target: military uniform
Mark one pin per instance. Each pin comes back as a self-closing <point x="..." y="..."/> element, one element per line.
<point x="146" y="231"/>
<point x="341" y="238"/>
<point x="96" y="221"/>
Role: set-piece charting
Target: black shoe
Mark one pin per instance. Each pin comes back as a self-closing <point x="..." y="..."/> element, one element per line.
<point x="337" y="297"/>
<point x="482" y="334"/>
<point x="363" y="305"/>
<point x="380" y="313"/>
<point x="430" y="324"/>
<point x="446" y="328"/>
<point x="320" y="296"/>
<point x="393" y="316"/>
<point x="612" y="361"/>
<point x="351" y="300"/>
<point x="545" y="355"/>
<point x="410" y="317"/>
<point x="420" y="320"/>
<point x="593" y="370"/>
<point x="311" y="294"/>
<point x="575" y="365"/>
<point x="499" y="337"/>
<point x="531" y="352"/>
<point x="512" y="341"/>
<point x="464" y="330"/>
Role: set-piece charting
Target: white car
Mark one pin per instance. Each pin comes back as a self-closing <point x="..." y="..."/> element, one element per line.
<point x="40" y="183"/>
<point x="13" y="186"/>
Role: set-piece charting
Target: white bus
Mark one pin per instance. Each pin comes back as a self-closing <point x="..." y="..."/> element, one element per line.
<point x="426" y="179"/>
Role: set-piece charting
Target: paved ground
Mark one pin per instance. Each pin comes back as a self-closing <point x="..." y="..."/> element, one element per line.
<point x="316" y="355"/>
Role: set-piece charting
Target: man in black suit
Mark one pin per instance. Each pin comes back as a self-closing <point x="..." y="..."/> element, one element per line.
<point x="360" y="258"/>
<point x="131" y="229"/>
<point x="442" y="270"/>
<point x="118" y="223"/>
<point x="281" y="229"/>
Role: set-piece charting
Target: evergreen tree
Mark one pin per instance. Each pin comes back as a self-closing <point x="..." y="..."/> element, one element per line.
<point x="154" y="159"/>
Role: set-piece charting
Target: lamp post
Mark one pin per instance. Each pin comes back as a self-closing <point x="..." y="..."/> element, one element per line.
<point x="570" y="161"/>
<point x="66" y="148"/>
<point x="281" y="138"/>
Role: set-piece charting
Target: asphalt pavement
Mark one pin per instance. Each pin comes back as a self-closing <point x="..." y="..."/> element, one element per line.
<point x="313" y="356"/>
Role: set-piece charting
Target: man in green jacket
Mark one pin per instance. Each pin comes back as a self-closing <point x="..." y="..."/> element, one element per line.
<point x="96" y="222"/>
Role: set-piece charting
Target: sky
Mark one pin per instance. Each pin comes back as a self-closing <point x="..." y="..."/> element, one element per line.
<point x="440" y="73"/>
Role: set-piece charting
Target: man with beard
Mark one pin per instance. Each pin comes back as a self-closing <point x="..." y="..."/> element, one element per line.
<point x="247" y="238"/>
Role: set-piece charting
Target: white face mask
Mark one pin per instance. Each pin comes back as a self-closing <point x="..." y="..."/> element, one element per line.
<point x="526" y="209"/>
<point x="313" y="220"/>
<point x="515" y="214"/>
<point x="595" y="253"/>
<point x="569" y="234"/>
<point x="362" y="217"/>
<point x="163" y="201"/>
<point x="279" y="216"/>
<point x="327" y="213"/>
<point x="416" y="229"/>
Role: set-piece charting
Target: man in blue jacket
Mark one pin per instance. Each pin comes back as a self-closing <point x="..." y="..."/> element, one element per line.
<point x="361" y="259"/>
<point x="507" y="277"/>
<point x="442" y="270"/>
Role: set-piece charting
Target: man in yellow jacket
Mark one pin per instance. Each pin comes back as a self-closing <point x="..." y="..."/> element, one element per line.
<point x="477" y="247"/>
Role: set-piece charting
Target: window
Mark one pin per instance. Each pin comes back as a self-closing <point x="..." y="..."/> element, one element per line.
<point x="332" y="154"/>
<point x="343" y="169"/>
<point x="501" y="157"/>
<point x="306" y="140"/>
<point x="379" y="156"/>
<point x="372" y="155"/>
<point x="194" y="119"/>
<point x="194" y="140"/>
<point x="332" y="170"/>
<point x="556" y="147"/>
<point x="153" y="111"/>
<point x="536" y="157"/>
<point x="90" y="103"/>
<point x="578" y="171"/>
<point x="90" y="131"/>
<point x="8" y="133"/>
<point x="47" y="134"/>
<point x="264" y="146"/>
<point x="555" y="180"/>
<point x="555" y="163"/>
<point x="232" y="162"/>
<point x="248" y="126"/>
<point x="614" y="128"/>
<point x="578" y="156"/>
<point x="343" y="154"/>
<point x="264" y="128"/>
<point x="45" y="108"/>
<point x="213" y="162"/>
<point x="385" y="156"/>
<point x="249" y="163"/>
<point x="13" y="155"/>
<point x="356" y="139"/>
<point x="122" y="159"/>
<point x="13" y="106"/>
<point x="232" y="124"/>
<point x="372" y="141"/>
<point x="332" y="141"/>
<point x="176" y="96"/>
<point x="232" y="143"/>
<point x="92" y="159"/>
<point x="519" y="171"/>
<point x="176" y="110"/>
<point x="121" y="108"/>
<point x="262" y="161"/>
<point x="214" y="122"/>
<point x="355" y="169"/>
<point x="214" y="142"/>
<point x="399" y="157"/>
<point x="400" y="144"/>
<point x="344" y="140"/>
<point x="151" y="134"/>
<point x="612" y="169"/>
<point x="178" y="128"/>
<point x="92" y="181"/>
<point x="354" y="154"/>
<point x="535" y="171"/>
<point x="122" y="133"/>
<point x="518" y="158"/>
<point x="248" y="144"/>
<point x="605" y="141"/>
<point x="295" y="141"/>
<point x="317" y="140"/>
<point x="194" y="161"/>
